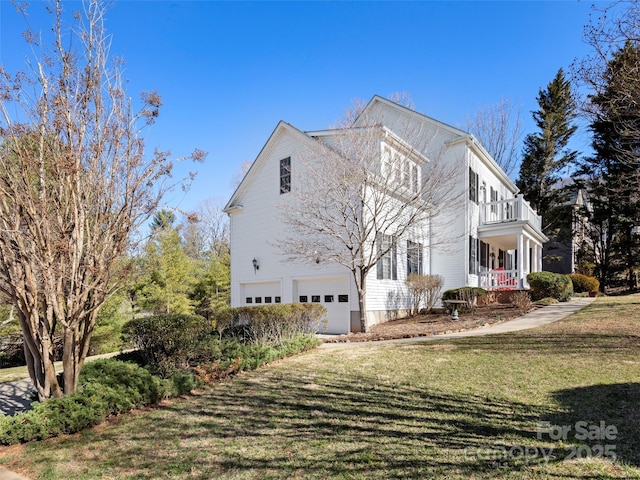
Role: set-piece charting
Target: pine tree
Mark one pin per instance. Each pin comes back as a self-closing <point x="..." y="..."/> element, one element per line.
<point x="545" y="152"/>
<point x="613" y="172"/>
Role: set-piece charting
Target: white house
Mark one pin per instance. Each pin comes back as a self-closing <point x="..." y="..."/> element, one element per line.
<point x="494" y="237"/>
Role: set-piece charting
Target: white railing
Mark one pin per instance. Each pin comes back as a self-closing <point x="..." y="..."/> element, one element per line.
<point x="509" y="210"/>
<point x="499" y="280"/>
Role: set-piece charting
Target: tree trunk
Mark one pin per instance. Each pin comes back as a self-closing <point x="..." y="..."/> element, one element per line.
<point x="362" y="301"/>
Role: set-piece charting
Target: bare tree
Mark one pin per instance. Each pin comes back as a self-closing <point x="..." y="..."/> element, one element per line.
<point x="353" y="111"/>
<point x="363" y="188"/>
<point x="498" y="127"/>
<point x="75" y="184"/>
<point x="213" y="225"/>
<point x="240" y="174"/>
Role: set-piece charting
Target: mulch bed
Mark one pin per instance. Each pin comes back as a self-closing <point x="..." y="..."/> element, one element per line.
<point x="435" y="324"/>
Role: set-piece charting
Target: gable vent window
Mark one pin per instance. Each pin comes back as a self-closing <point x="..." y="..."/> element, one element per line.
<point x="285" y="175"/>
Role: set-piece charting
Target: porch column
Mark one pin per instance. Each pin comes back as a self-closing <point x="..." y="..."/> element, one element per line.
<point x="527" y="257"/>
<point x="520" y="262"/>
<point x="539" y="257"/>
<point x="534" y="263"/>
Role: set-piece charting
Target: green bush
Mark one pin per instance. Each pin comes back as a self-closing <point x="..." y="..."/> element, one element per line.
<point x="107" y="387"/>
<point x="467" y="294"/>
<point x="548" y="284"/>
<point x="171" y="343"/>
<point x="270" y="324"/>
<point x="584" y="283"/>
<point x="133" y="384"/>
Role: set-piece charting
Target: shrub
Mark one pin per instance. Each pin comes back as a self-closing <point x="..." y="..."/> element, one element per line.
<point x="424" y="289"/>
<point x="107" y="387"/>
<point x="271" y="324"/>
<point x="548" y="284"/>
<point x="170" y="343"/>
<point x="521" y="299"/>
<point x="584" y="283"/>
<point x="134" y="385"/>
<point x="467" y="294"/>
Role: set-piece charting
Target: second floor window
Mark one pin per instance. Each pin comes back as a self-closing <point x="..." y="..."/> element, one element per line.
<point x="494" y="198"/>
<point x="473" y="186"/>
<point x="285" y="175"/>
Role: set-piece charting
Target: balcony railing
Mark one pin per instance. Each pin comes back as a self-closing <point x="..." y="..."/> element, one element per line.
<point x="509" y="210"/>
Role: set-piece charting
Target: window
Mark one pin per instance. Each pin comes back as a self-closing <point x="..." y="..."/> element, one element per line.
<point x="415" y="180"/>
<point x="328" y="298"/>
<point x="285" y="175"/>
<point x="494" y="198"/>
<point x="258" y="299"/>
<point x="343" y="298"/>
<point x="484" y="255"/>
<point x="315" y="298"/>
<point x="276" y="300"/>
<point x="304" y="299"/>
<point x="407" y="175"/>
<point x="473" y="255"/>
<point x="387" y="267"/>
<point x="248" y="300"/>
<point x="473" y="186"/>
<point x="414" y="258"/>
<point x="267" y="299"/>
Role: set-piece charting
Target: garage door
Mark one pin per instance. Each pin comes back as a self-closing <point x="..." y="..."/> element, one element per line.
<point x="259" y="293"/>
<point x="333" y="294"/>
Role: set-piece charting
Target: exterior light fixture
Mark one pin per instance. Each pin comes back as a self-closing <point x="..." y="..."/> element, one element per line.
<point x="256" y="265"/>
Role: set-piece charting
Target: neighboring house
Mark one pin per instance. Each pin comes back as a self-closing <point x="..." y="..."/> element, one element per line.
<point x="562" y="252"/>
<point x="495" y="236"/>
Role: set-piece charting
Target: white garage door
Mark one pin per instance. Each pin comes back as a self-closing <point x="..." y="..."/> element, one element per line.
<point x="333" y="294"/>
<point x="259" y="293"/>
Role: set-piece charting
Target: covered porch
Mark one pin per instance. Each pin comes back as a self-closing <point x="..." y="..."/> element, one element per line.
<point x="511" y="242"/>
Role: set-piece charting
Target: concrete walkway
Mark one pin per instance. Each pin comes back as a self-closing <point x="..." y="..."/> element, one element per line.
<point x="541" y="316"/>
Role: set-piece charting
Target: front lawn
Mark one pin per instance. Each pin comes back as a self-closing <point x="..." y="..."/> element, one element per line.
<point x="513" y="406"/>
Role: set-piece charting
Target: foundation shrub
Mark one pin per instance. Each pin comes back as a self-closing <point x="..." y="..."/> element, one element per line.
<point x="270" y="324"/>
<point x="548" y="284"/>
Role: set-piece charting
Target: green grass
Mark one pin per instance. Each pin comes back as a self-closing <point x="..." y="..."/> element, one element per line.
<point x="445" y="409"/>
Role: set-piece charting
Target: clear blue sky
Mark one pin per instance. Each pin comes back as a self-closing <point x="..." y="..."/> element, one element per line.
<point x="229" y="71"/>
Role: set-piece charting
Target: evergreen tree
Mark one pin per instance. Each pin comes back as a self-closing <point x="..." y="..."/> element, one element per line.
<point x="613" y="172"/>
<point x="167" y="275"/>
<point x="545" y="152"/>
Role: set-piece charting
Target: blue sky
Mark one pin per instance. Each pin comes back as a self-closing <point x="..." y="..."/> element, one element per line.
<point x="229" y="71"/>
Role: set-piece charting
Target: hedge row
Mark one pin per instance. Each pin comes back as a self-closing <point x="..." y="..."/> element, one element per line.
<point x="107" y="387"/>
<point x="270" y="323"/>
<point x="112" y="386"/>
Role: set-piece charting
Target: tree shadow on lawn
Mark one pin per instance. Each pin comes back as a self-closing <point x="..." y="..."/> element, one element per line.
<point x="552" y="343"/>
<point x="277" y="425"/>
<point x="599" y="407"/>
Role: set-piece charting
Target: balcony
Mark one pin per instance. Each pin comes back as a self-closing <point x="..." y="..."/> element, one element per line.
<point x="510" y="210"/>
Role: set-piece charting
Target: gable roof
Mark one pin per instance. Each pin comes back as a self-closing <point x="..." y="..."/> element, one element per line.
<point x="455" y="135"/>
<point x="378" y="100"/>
<point x="282" y="128"/>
